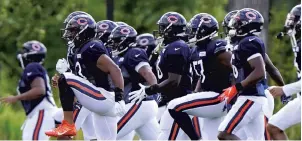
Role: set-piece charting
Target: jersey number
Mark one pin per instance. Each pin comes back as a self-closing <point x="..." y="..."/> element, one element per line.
<point x="79" y="70"/>
<point x="201" y="73"/>
<point x="159" y="72"/>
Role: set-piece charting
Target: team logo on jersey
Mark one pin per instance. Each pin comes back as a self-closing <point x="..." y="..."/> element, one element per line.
<point x="206" y="19"/>
<point x="125" y="30"/>
<point x="250" y="15"/>
<point x="82" y="21"/>
<point x="144" y="42"/>
<point x="172" y="19"/>
<point x="104" y="26"/>
<point x="35" y="47"/>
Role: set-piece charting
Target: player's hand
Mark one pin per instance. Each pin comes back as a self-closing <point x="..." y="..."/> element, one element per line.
<point x="120" y="108"/>
<point x="9" y="99"/>
<point x="276" y="91"/>
<point x="228" y="94"/>
<point x="139" y="95"/>
<point x="62" y="65"/>
<point x="54" y="80"/>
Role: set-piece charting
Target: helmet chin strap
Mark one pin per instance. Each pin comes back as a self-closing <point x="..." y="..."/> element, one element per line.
<point x="19" y="56"/>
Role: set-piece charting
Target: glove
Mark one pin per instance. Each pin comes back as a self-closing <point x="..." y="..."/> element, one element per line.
<point x="230" y="92"/>
<point x="139" y="95"/>
<point x="284" y="99"/>
<point x="62" y="66"/>
<point x="120" y="108"/>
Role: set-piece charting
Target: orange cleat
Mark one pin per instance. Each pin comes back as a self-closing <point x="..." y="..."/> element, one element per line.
<point x="64" y="129"/>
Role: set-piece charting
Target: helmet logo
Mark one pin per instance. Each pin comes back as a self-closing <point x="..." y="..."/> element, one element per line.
<point x="206" y="19"/>
<point x="104" y="26"/>
<point x="82" y="21"/>
<point x="125" y="30"/>
<point x="35" y="46"/>
<point x="144" y="42"/>
<point x="172" y="19"/>
<point x="250" y="15"/>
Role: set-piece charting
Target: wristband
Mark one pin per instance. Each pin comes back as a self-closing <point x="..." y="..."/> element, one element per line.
<point x="239" y="87"/>
<point x="152" y="89"/>
<point x="119" y="94"/>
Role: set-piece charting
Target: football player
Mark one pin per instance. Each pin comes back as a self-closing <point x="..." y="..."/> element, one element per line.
<point x="270" y="68"/>
<point x="82" y="117"/>
<point x="103" y="30"/>
<point x="173" y="71"/>
<point x="34" y="92"/>
<point x="249" y="73"/>
<point x="133" y="62"/>
<point x="89" y="83"/>
<point x="292" y="111"/>
<point x="210" y="62"/>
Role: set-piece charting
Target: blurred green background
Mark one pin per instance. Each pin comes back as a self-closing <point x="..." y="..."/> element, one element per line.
<point x="23" y="20"/>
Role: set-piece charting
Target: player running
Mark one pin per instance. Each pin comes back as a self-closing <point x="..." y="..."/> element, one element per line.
<point x="249" y="73"/>
<point x="291" y="111"/>
<point x="90" y="82"/>
<point x="140" y="117"/>
<point x="34" y="92"/>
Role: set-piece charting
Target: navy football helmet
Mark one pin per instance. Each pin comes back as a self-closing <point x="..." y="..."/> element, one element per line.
<point x="293" y="20"/>
<point x="147" y="42"/>
<point x="246" y="21"/>
<point x="226" y="20"/>
<point x="122" y="37"/>
<point x="172" y="24"/>
<point x="73" y="14"/>
<point x="104" y="29"/>
<point x="32" y="51"/>
<point x="120" y="23"/>
<point x="79" y="29"/>
<point x="202" y="26"/>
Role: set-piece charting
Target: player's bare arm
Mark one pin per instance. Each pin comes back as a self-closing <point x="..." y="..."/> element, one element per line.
<point x="107" y="65"/>
<point x="37" y="90"/>
<point x="225" y="59"/>
<point x="258" y="73"/>
<point x="148" y="75"/>
<point x="273" y="71"/>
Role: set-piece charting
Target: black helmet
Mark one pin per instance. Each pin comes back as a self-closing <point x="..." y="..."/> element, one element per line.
<point x="104" y="29"/>
<point x="203" y="26"/>
<point x="293" y="20"/>
<point x="121" y="38"/>
<point x="32" y="51"/>
<point x="172" y="24"/>
<point x="147" y="42"/>
<point x="226" y="20"/>
<point x="79" y="29"/>
<point x="246" y="21"/>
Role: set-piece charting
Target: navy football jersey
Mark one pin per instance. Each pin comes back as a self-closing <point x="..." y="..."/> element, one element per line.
<point x="130" y="62"/>
<point x="205" y="65"/>
<point x="32" y="71"/>
<point x="85" y="59"/>
<point x="297" y="53"/>
<point x="246" y="49"/>
<point x="175" y="58"/>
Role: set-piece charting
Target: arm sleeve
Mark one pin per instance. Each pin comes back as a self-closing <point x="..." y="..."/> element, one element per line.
<point x="137" y="58"/>
<point x="33" y="71"/>
<point x="250" y="50"/>
<point x="177" y="60"/>
<point x="220" y="47"/>
<point x="292" y="88"/>
<point x="93" y="53"/>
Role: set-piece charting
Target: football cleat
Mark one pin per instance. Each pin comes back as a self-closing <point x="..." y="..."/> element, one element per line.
<point x="64" y="129"/>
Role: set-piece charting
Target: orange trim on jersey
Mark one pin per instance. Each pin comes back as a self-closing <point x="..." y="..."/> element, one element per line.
<point x="83" y="88"/>
<point x="127" y="116"/>
<point x="197" y="103"/>
<point x="75" y="112"/>
<point x="196" y="126"/>
<point x="240" y="115"/>
<point x="174" y="132"/>
<point x="38" y="125"/>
